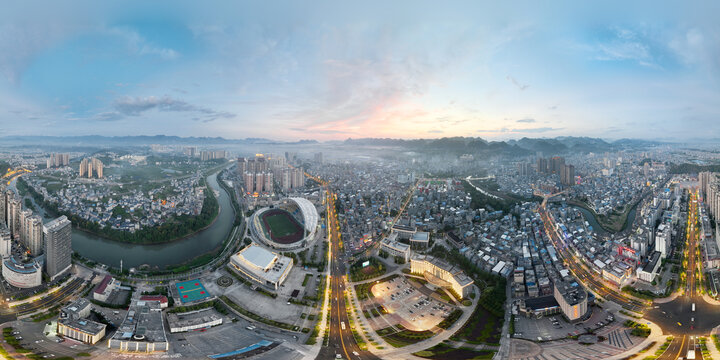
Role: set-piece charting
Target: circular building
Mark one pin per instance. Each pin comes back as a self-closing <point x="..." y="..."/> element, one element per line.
<point x="22" y="274"/>
<point x="288" y="225"/>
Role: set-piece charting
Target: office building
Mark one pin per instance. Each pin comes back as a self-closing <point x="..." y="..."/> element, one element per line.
<point x="395" y="248"/>
<point x="440" y="273"/>
<point x="73" y="324"/>
<point x="58" y="246"/>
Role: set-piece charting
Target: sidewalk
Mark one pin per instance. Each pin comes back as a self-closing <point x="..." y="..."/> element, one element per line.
<point x="314" y="350"/>
<point x="365" y="325"/>
<point x="656" y="335"/>
<point x="714" y="351"/>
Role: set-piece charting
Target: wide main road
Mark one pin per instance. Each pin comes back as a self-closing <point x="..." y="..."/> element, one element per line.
<point x="588" y="278"/>
<point x="341" y="340"/>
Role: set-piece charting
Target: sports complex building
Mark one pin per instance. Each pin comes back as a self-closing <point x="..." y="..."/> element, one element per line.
<point x="261" y="266"/>
<point x="288" y="225"/>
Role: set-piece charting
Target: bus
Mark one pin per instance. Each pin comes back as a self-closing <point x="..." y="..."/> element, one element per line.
<point x="693" y="307"/>
<point x="691" y="355"/>
<point x="342" y="325"/>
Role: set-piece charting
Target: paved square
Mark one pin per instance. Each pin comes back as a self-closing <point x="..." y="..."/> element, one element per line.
<point x="417" y="311"/>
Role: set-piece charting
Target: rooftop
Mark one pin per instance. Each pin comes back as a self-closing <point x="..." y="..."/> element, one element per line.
<point x="257" y="256"/>
<point x="84" y="325"/>
<point x="261" y="262"/>
<point x="143" y="322"/>
<point x="192" y="318"/>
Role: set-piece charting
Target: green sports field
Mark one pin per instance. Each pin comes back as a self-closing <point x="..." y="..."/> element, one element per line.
<point x="281" y="225"/>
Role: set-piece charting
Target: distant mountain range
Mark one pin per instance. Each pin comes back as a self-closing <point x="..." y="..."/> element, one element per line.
<point x="524" y="146"/>
<point x="97" y="140"/>
<point x="454" y="145"/>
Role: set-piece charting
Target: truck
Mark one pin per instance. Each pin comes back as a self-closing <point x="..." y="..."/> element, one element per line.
<point x="691" y="355"/>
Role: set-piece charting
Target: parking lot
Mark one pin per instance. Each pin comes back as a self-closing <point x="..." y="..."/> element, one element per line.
<point x="415" y="310"/>
<point x="555" y="327"/>
<point x="33" y="337"/>
<point x="231" y="336"/>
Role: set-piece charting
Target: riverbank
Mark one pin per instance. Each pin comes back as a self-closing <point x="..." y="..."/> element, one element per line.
<point x="619" y="225"/>
<point x="156" y="234"/>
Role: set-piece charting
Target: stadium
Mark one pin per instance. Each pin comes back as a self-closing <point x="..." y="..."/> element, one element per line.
<point x="288" y="225"/>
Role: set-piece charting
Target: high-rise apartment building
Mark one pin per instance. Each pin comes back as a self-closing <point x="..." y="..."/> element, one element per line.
<point x="524" y="168"/>
<point x="34" y="235"/>
<point x="24" y="217"/>
<point x="5" y="242"/>
<point x="15" y="221"/>
<point x="8" y="195"/>
<point x="3" y="206"/>
<point x="90" y="166"/>
<point x="556" y="164"/>
<point x="567" y="175"/>
<point x="58" y="246"/>
<point x="542" y="165"/>
<point x="58" y="160"/>
<point x="206" y="155"/>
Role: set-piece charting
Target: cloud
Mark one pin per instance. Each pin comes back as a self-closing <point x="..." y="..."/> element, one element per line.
<point x="138" y="44"/>
<point x="136" y="106"/>
<point x="517" y="83"/>
<point x="435" y="131"/>
<point x="622" y="44"/>
<point x="528" y="121"/>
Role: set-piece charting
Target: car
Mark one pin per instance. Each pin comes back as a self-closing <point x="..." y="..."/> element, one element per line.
<point x="338" y="356"/>
<point x="356" y="353"/>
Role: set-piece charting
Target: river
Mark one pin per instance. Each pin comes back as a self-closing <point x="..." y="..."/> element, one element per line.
<point x="596" y="226"/>
<point x="161" y="255"/>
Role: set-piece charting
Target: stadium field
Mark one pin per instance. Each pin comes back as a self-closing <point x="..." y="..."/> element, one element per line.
<point x="282" y="227"/>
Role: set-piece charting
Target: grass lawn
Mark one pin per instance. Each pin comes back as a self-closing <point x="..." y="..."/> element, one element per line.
<point x="406" y="337"/>
<point x="482" y="327"/>
<point x="445" y="352"/>
<point x="281" y="225"/>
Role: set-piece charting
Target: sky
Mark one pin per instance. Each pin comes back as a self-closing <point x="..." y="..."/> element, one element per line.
<point x="331" y="70"/>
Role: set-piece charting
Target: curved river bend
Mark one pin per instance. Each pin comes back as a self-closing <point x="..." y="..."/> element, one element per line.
<point x="160" y="255"/>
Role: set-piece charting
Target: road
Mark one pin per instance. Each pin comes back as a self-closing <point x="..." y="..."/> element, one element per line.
<point x="677" y="349"/>
<point x="341" y="341"/>
<point x="590" y="279"/>
<point x="51" y="300"/>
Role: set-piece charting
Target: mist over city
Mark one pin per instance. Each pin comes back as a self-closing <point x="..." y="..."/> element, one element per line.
<point x="371" y="180"/>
